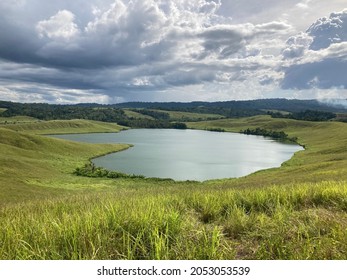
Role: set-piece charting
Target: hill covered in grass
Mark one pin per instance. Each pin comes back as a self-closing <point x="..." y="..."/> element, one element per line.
<point x="64" y="127"/>
<point x="29" y="164"/>
<point x="298" y="211"/>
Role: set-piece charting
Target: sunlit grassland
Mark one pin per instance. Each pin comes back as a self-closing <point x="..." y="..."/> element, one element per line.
<point x="306" y="221"/>
<point x="136" y="115"/>
<point x="64" y="127"/>
<point x="174" y="115"/>
<point x="16" y="119"/>
<point x="324" y="157"/>
<point x="30" y="163"/>
<point x="183" y="116"/>
<point x="297" y="211"/>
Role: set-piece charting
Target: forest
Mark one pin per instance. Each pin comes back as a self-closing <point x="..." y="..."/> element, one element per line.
<point x="156" y="115"/>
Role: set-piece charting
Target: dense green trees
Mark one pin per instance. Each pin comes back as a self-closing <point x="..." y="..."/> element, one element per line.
<point x="90" y="112"/>
<point x="90" y="170"/>
<point x="238" y="108"/>
<point x="63" y="112"/>
<point x="153" y="114"/>
<point x="307" y="115"/>
<point x="297" y="109"/>
<point x="278" y="135"/>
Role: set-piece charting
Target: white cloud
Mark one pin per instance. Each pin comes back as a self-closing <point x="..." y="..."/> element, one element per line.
<point x="329" y="30"/>
<point x="304" y="4"/>
<point x="141" y="49"/>
<point x="297" y="45"/>
<point x="318" y="58"/>
<point x="59" y="26"/>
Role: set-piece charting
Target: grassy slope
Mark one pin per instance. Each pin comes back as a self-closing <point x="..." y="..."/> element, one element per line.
<point x="175" y="115"/>
<point x="183" y="116"/>
<point x="29" y="164"/>
<point x="136" y="115"/>
<point x="294" y="212"/>
<point x="324" y="158"/>
<point x="64" y="126"/>
<point x="16" y="119"/>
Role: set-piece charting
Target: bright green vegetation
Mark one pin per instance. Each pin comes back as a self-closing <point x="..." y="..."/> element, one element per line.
<point x="307" y="115"/>
<point x="35" y="167"/>
<point x="325" y="157"/>
<point x="298" y="211"/>
<point x="278" y="135"/>
<point x="90" y="170"/>
<point x="16" y="119"/>
<point x="289" y="222"/>
<point x="187" y="116"/>
<point x="65" y="127"/>
<point x="136" y="115"/>
<point x="172" y="115"/>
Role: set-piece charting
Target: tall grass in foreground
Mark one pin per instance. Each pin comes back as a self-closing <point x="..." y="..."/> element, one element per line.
<point x="306" y="221"/>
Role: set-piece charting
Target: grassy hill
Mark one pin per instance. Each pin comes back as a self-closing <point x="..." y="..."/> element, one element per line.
<point x="298" y="211"/>
<point x="16" y="119"/>
<point x="187" y="116"/>
<point x="64" y="127"/>
<point x="325" y="155"/>
<point x="136" y="115"/>
<point x="34" y="167"/>
<point x="174" y="115"/>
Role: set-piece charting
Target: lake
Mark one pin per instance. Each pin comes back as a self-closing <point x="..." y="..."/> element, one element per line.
<point x="189" y="154"/>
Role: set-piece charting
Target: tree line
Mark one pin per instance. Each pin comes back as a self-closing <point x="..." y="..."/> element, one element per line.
<point x="307" y="115"/>
<point x="278" y="135"/>
<point x="93" y="112"/>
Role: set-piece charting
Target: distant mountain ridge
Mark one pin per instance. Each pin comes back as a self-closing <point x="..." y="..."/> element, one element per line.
<point x="290" y="105"/>
<point x="123" y="114"/>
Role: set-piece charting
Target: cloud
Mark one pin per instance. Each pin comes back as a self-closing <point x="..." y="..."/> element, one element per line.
<point x="143" y="49"/>
<point x="304" y="4"/>
<point x="59" y="26"/>
<point x="122" y="47"/>
<point x="318" y="58"/>
<point x="327" y="31"/>
<point x="297" y="45"/>
<point x="222" y="41"/>
<point x="324" y="74"/>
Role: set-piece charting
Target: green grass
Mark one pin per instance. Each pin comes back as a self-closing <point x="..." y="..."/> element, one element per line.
<point x="29" y="164"/>
<point x="16" y="119"/>
<point x="64" y="127"/>
<point x="325" y="145"/>
<point x="298" y="211"/>
<point x="187" y="116"/>
<point x="306" y="221"/>
<point x="175" y="115"/>
<point x="131" y="114"/>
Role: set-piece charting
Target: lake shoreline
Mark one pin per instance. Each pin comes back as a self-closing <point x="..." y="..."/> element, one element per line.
<point x="164" y="153"/>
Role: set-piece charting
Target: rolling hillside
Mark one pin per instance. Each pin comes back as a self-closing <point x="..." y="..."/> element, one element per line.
<point x="298" y="211"/>
<point x="64" y="127"/>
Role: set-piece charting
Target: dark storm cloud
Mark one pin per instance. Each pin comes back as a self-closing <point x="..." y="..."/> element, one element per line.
<point x="325" y="74"/>
<point x="327" y="31"/>
<point x="320" y="55"/>
<point x="137" y="45"/>
<point x="119" y="49"/>
<point x="221" y="41"/>
<point x="18" y="43"/>
<point x="224" y="41"/>
<point x="116" y="38"/>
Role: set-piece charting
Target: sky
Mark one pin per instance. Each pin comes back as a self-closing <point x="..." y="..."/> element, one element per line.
<point x="112" y="51"/>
